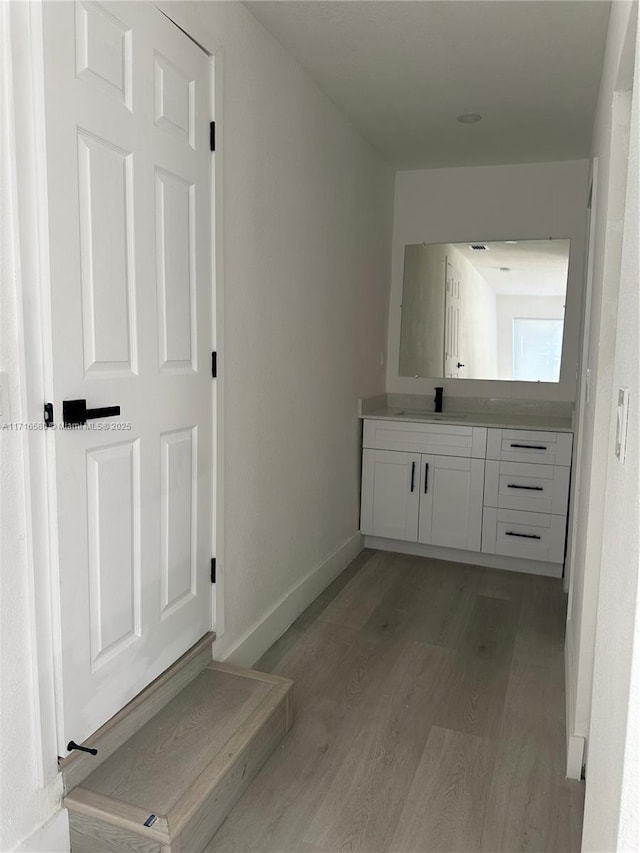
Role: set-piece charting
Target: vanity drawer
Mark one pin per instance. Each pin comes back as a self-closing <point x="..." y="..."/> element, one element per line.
<point x="520" y="445"/>
<point x="525" y="486"/>
<point x="530" y="535"/>
<point x="438" y="439"/>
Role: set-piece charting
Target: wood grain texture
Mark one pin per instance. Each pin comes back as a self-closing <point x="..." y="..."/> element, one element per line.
<point x="243" y="672"/>
<point x="444" y="806"/>
<point x="362" y="594"/>
<point x="210" y="802"/>
<point x="90" y="835"/>
<point x="478" y="679"/>
<point x="125" y="815"/>
<point x="429" y="716"/>
<point x="116" y="731"/>
<point x="379" y="753"/>
<point x="187" y="765"/>
<point x="531" y="807"/>
<point x="269" y="661"/>
<point x="272" y="714"/>
<point x="433" y="612"/>
<point x="180" y="742"/>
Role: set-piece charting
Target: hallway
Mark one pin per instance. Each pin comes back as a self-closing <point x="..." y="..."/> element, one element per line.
<point x="429" y="704"/>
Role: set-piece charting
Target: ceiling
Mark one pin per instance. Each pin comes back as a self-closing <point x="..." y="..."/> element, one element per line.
<point x="525" y="267"/>
<point x="402" y="71"/>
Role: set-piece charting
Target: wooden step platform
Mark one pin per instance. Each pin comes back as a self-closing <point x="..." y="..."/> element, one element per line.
<point x="171" y="783"/>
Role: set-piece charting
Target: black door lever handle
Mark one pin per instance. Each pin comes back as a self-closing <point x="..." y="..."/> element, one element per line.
<point x="75" y="412"/>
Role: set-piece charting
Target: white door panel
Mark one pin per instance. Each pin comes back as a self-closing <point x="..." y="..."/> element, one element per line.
<point x="127" y="114"/>
<point x="390" y="494"/>
<point x="113" y="525"/>
<point x="452" y="321"/>
<point x="175" y="271"/>
<point x="451" y="502"/>
<point x="107" y="274"/>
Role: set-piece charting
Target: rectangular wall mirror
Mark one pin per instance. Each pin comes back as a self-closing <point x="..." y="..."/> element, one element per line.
<point x="491" y="310"/>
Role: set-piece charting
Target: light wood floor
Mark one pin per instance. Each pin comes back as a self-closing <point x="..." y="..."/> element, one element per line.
<point x="429" y="717"/>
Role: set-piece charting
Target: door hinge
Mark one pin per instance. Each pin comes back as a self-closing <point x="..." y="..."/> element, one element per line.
<point x="212" y="135"/>
<point x="48" y="414"/>
<point x="213" y="570"/>
<point x="214" y="364"/>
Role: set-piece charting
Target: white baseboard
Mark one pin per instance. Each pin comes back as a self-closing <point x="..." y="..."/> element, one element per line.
<point x="51" y="837"/>
<point x="575" y="743"/>
<point x="474" y="558"/>
<point x="270" y="627"/>
<point x="575" y="757"/>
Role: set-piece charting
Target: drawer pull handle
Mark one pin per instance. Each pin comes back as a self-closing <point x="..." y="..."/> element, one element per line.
<point x="529" y="488"/>
<point x="426" y="476"/>
<point x="530" y="446"/>
<point x="413" y="474"/>
<point x="523" y="535"/>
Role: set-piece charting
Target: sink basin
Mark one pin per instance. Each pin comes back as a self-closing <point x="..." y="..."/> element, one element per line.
<point x="430" y="416"/>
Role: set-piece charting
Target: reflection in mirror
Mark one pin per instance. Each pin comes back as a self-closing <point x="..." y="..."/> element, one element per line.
<point x="484" y="310"/>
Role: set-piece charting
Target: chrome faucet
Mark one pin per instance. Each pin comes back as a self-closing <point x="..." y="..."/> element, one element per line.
<point x="438" y="398"/>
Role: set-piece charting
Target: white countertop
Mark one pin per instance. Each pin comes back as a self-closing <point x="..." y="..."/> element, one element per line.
<point x="485" y="419"/>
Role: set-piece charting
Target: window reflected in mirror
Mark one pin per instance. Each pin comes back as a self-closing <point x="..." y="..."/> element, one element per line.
<point x="484" y="310"/>
<point x="537" y="348"/>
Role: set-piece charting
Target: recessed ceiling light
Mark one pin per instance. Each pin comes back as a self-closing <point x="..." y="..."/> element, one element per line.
<point x="511" y="242"/>
<point x="469" y="118"/>
<point x="505" y="269"/>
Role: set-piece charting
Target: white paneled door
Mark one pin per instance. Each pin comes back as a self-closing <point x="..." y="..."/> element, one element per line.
<point x="128" y="172"/>
<point x="452" y="322"/>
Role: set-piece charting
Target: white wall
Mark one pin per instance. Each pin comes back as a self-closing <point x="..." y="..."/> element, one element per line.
<point x="535" y="201"/>
<point x="306" y="243"/>
<point x="610" y="146"/>
<point x="307" y="210"/>
<point x="612" y="805"/>
<point x="423" y="306"/>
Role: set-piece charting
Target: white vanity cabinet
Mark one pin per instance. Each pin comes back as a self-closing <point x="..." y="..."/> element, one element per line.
<point x="443" y="489"/>
<point x="432" y="497"/>
<point x="526" y="494"/>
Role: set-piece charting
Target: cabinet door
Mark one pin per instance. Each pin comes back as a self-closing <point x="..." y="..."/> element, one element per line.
<point x="390" y="494"/>
<point x="451" y="491"/>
